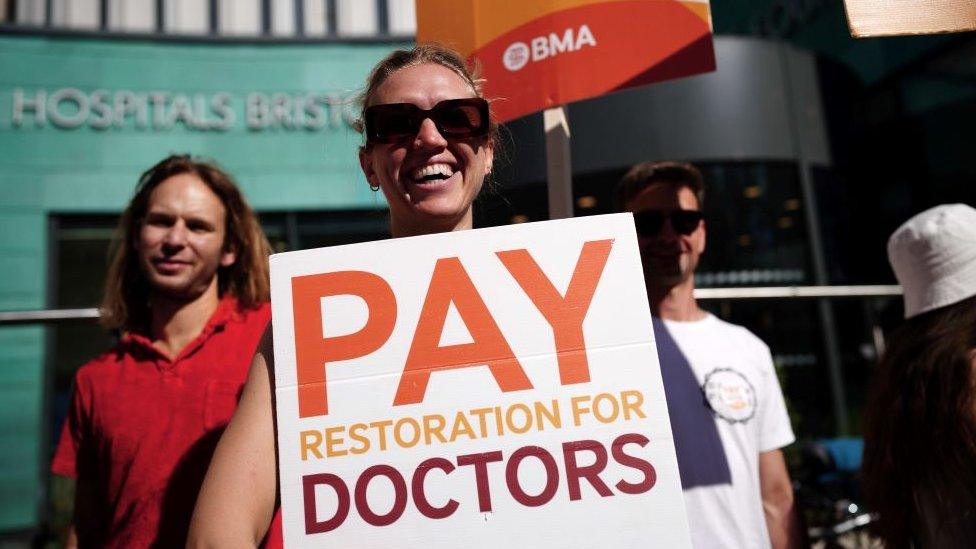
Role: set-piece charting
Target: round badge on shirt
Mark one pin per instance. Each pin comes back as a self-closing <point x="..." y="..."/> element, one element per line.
<point x="730" y="395"/>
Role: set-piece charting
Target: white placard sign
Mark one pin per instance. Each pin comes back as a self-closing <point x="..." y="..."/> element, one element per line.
<point x="490" y="388"/>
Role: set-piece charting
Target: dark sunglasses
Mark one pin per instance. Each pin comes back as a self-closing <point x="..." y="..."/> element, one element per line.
<point x="457" y="118"/>
<point x="650" y="222"/>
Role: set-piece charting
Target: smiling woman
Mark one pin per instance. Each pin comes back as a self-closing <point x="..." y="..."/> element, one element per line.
<point x="429" y="145"/>
<point x="429" y="139"/>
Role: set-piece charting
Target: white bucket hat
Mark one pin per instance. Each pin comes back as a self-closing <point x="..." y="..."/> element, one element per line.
<point x="934" y="257"/>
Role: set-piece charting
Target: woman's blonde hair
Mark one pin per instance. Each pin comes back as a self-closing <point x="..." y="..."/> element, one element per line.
<point x="125" y="304"/>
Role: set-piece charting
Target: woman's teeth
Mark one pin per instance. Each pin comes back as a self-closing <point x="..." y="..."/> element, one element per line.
<point x="432" y="172"/>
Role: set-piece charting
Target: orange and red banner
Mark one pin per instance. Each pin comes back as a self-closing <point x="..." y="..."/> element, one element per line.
<point x="540" y="54"/>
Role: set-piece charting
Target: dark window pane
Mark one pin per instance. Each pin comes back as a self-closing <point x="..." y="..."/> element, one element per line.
<point x="319" y="229"/>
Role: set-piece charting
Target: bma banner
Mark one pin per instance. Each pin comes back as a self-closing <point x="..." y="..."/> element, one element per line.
<point x="487" y="388"/>
<point x="537" y="55"/>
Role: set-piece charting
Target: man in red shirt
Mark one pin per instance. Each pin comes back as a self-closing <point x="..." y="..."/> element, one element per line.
<point x="188" y="290"/>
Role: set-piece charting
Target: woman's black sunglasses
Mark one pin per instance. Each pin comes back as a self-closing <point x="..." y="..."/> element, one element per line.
<point x="650" y="222"/>
<point x="457" y="118"/>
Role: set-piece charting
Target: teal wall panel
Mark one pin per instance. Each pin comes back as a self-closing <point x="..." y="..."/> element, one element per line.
<point x="20" y="425"/>
<point x="19" y="192"/>
<point x="146" y="100"/>
<point x="21" y="231"/>
<point x="22" y="282"/>
<point x="20" y="489"/>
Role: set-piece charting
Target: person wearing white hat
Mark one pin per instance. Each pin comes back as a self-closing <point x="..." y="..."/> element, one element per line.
<point x="934" y="257"/>
<point x="920" y="432"/>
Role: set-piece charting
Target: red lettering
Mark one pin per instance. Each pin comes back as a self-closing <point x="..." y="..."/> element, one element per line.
<point x="313" y="351"/>
<point x="420" y="497"/>
<point x="399" y="499"/>
<point x="309" y="482"/>
<point x="575" y="472"/>
<point x="450" y="284"/>
<point x="480" y="462"/>
<point x="650" y="475"/>
<point x="565" y="313"/>
<point x="552" y="476"/>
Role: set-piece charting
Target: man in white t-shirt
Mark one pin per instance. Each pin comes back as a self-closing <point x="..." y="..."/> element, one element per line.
<point x="727" y="411"/>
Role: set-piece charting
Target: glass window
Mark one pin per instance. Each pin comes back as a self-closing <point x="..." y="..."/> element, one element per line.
<point x="320" y="229"/>
<point x="283" y="18"/>
<point x="756" y="227"/>
<point x="504" y="206"/>
<point x="186" y="16"/>
<point x="30" y="12"/>
<point x="78" y="241"/>
<point x="356" y="18"/>
<point x="753" y="213"/>
<point x="76" y="14"/>
<point x="315" y="17"/>
<point x="239" y="17"/>
<point x="275" y="228"/>
<point x="132" y="15"/>
<point x="402" y="17"/>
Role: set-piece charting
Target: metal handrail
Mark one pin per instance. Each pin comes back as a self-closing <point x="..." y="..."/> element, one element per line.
<point x="44" y="316"/>
<point x="47" y="316"/>
<point x="813" y="292"/>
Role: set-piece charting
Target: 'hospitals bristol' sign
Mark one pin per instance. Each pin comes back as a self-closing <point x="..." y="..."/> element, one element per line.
<point x="69" y="108"/>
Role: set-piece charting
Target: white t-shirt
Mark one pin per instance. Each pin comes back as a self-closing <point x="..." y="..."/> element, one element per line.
<point x="726" y="408"/>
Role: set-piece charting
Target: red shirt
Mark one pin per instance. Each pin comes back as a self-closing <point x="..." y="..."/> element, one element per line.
<point x="274" y="539"/>
<point x="142" y="428"/>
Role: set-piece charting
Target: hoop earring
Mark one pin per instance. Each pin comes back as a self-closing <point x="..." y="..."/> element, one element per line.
<point x="374" y="188"/>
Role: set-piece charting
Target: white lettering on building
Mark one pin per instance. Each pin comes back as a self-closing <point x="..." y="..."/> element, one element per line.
<point x="106" y="110"/>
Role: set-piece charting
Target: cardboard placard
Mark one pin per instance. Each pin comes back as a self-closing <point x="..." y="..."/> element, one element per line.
<point x="893" y="17"/>
<point x="488" y="388"/>
<point x="537" y="55"/>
